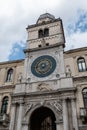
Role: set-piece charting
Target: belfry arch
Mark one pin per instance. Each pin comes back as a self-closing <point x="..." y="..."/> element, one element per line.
<point x="42" y="118"/>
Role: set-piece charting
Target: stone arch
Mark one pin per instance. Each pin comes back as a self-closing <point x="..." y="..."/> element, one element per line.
<point x="46" y="118"/>
<point x="37" y="106"/>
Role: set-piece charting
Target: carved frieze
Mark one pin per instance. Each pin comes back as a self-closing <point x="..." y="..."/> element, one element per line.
<point x="43" y="87"/>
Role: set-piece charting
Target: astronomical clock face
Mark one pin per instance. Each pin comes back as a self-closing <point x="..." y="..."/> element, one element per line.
<point x="43" y="66"/>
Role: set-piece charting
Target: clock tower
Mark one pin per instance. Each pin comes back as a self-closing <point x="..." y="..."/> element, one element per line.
<point x="44" y="53"/>
<point x="44" y="97"/>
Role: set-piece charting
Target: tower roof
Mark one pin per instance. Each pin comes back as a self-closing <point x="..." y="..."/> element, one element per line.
<point x="45" y="16"/>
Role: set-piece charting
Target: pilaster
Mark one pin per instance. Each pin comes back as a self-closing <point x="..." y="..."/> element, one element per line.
<point x="19" y="122"/>
<point x="25" y="66"/>
<point x="65" y="115"/>
<point x="62" y="62"/>
<point x="12" y="120"/>
<point x="74" y="116"/>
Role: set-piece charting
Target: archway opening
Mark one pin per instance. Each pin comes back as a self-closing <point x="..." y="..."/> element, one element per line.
<point x="42" y="119"/>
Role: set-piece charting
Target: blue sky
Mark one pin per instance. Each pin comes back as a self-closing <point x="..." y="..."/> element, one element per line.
<point x="80" y="24"/>
<point x="17" y="52"/>
<point x="16" y="15"/>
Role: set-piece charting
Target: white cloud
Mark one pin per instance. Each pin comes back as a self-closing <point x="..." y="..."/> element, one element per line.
<point x="76" y="40"/>
<point x="15" y="15"/>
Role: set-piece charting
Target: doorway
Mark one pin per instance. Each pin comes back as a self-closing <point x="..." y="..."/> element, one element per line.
<point x="42" y="119"/>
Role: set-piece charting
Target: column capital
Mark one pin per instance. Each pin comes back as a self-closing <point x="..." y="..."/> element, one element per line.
<point x="14" y="103"/>
<point x="68" y="97"/>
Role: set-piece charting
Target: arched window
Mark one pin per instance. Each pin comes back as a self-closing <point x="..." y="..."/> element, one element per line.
<point x="9" y="75"/>
<point x="40" y="33"/>
<point x="46" y="32"/>
<point x="81" y="64"/>
<point x="85" y="96"/>
<point x="4" y="105"/>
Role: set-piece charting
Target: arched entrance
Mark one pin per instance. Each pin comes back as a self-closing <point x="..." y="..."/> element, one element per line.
<point x="42" y="119"/>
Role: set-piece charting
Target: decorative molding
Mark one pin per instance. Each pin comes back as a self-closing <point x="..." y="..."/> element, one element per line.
<point x="80" y="80"/>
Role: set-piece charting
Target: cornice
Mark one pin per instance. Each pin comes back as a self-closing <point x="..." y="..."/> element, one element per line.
<point x="79" y="77"/>
<point x="7" y="87"/>
<point x="36" y="25"/>
<point x="44" y="93"/>
<point x="75" y="50"/>
<point x="10" y="62"/>
<point x="44" y="48"/>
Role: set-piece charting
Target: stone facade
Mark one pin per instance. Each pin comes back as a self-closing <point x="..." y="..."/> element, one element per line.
<point x="45" y="98"/>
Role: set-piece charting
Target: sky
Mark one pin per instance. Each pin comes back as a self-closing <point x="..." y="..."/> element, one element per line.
<point x="16" y="15"/>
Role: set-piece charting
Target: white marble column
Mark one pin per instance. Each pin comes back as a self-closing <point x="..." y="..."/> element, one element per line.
<point x="19" y="122"/>
<point x="12" y="120"/>
<point x="65" y="115"/>
<point x="74" y="116"/>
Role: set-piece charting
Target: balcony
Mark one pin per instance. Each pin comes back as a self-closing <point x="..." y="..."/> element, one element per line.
<point x="4" y="118"/>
